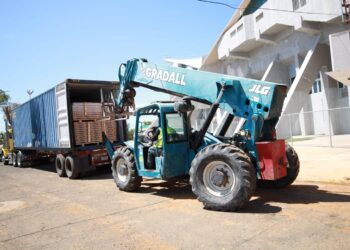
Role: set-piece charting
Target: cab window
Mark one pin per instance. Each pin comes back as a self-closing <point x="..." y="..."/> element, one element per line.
<point x="175" y="127"/>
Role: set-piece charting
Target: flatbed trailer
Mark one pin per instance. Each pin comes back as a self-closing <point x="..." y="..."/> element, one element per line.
<point x="47" y="127"/>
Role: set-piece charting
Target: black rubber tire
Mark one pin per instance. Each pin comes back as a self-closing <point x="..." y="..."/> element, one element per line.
<point x="19" y="159"/>
<point x="244" y="175"/>
<point x="60" y="165"/>
<point x="71" y="168"/>
<point x="14" y="160"/>
<point x="292" y="171"/>
<point x="6" y="161"/>
<point x="133" y="180"/>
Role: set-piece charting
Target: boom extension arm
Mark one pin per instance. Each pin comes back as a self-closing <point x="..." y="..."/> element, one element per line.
<point x="251" y="99"/>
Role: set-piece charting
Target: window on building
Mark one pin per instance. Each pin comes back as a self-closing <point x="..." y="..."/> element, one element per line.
<point x="295" y="4"/>
<point x="292" y="80"/>
<point x="233" y="33"/>
<point x="302" y="3"/>
<point x="240" y="27"/>
<point x="259" y="17"/>
<point x="342" y="90"/>
<point x="340" y="85"/>
<point x="316" y="86"/>
<point x="298" y="4"/>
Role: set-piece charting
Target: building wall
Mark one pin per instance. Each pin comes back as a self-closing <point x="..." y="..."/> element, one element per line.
<point x="273" y="45"/>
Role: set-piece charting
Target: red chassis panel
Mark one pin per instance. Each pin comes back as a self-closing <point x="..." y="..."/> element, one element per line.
<point x="272" y="159"/>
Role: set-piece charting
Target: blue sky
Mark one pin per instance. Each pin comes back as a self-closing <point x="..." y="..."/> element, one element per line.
<point x="44" y="42"/>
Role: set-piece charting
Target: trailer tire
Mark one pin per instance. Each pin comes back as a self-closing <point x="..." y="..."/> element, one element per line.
<point x="5" y="161"/>
<point x="292" y="171"/>
<point x="14" y="159"/>
<point x="124" y="170"/>
<point x="19" y="159"/>
<point x="223" y="177"/>
<point x="59" y="164"/>
<point x="72" y="170"/>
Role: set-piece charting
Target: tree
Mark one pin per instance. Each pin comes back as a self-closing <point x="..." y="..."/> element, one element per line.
<point x="4" y="97"/>
<point x="2" y="136"/>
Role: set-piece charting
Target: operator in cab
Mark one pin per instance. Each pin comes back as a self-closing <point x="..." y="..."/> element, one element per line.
<point x="155" y="135"/>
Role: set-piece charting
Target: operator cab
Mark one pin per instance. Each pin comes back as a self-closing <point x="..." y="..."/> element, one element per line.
<point x="161" y="141"/>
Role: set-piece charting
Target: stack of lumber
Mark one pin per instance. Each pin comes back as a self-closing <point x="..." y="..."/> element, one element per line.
<point x="86" y="111"/>
<point x="89" y="123"/>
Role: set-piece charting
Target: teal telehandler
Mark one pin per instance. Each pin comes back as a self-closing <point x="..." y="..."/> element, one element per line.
<point x="223" y="168"/>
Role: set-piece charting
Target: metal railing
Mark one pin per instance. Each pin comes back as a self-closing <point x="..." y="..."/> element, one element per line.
<point x="323" y="128"/>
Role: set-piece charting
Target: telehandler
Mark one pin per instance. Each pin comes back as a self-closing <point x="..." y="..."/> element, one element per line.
<point x="223" y="169"/>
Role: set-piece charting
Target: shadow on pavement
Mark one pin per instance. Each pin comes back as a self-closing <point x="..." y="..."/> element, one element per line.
<point x="174" y="189"/>
<point x="49" y="167"/>
<point x="301" y="194"/>
<point x="102" y="172"/>
<point x="295" y="194"/>
<point x="262" y="199"/>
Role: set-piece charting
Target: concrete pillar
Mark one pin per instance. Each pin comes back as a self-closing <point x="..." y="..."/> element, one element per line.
<point x="299" y="91"/>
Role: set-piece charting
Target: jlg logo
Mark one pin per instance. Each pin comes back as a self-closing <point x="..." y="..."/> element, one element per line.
<point x="258" y="89"/>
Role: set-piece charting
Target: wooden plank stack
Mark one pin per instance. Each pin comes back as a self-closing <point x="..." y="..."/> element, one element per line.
<point x="89" y="123"/>
<point x="86" y="111"/>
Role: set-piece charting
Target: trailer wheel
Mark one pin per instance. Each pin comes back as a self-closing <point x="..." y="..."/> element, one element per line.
<point x="59" y="164"/>
<point x="19" y="159"/>
<point x="223" y="177"/>
<point x="5" y="160"/>
<point x="292" y="171"/>
<point x="72" y="170"/>
<point x="124" y="170"/>
<point x="14" y="159"/>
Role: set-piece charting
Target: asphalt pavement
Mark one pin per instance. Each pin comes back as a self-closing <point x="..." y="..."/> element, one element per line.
<point x="39" y="210"/>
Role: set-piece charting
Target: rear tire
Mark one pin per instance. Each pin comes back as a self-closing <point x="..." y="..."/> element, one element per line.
<point x="124" y="170"/>
<point x="223" y="177"/>
<point x="14" y="159"/>
<point x="19" y="159"/>
<point x="72" y="170"/>
<point x="59" y="164"/>
<point x="292" y="171"/>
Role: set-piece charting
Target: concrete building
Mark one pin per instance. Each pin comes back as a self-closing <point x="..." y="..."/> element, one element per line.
<point x="294" y="42"/>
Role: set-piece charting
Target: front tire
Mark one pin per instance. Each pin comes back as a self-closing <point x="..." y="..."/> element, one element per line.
<point x="124" y="170"/>
<point x="223" y="177"/>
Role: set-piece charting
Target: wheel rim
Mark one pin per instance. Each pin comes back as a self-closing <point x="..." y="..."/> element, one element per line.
<point x="122" y="170"/>
<point x="219" y="178"/>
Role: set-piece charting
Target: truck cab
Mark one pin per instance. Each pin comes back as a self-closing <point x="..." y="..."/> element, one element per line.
<point x="172" y="143"/>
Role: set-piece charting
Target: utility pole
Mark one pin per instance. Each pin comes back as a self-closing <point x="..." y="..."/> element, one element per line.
<point x="30" y="92"/>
